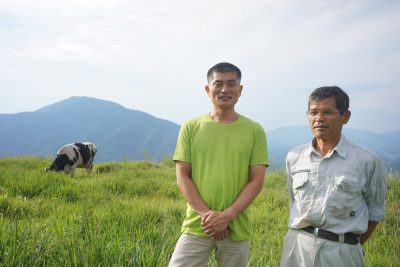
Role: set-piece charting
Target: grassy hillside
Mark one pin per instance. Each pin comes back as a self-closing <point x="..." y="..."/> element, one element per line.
<point x="129" y="214"/>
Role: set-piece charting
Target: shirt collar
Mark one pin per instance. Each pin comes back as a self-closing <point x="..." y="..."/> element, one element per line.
<point x="341" y="148"/>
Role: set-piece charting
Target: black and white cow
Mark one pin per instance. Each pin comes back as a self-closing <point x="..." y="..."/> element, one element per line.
<point x="72" y="156"/>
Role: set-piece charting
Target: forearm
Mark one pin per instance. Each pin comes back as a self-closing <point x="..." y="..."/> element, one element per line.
<point x="192" y="195"/>
<point x="371" y="228"/>
<point x="245" y="198"/>
<point x="249" y="192"/>
<point x="216" y="221"/>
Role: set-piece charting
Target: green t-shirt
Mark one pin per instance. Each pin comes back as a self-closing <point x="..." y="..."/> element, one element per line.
<point x="220" y="156"/>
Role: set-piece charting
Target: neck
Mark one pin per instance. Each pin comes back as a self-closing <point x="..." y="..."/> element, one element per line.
<point x="324" y="147"/>
<point x="224" y="116"/>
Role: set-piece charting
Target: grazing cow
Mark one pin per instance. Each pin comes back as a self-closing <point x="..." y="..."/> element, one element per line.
<point x="72" y="156"/>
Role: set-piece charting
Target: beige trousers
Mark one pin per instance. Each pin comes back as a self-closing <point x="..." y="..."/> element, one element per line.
<point x="302" y="249"/>
<point x="196" y="250"/>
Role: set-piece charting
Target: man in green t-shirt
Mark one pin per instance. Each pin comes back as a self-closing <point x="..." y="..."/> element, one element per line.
<point x="221" y="159"/>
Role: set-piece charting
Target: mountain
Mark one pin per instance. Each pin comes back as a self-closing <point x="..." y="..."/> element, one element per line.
<point x="119" y="133"/>
<point x="385" y="145"/>
<point x="122" y="133"/>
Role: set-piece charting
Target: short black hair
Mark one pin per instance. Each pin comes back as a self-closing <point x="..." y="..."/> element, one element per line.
<point x="341" y="98"/>
<point x="224" y="67"/>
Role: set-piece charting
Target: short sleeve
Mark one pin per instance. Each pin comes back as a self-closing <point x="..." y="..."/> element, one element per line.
<point x="183" y="145"/>
<point x="260" y="152"/>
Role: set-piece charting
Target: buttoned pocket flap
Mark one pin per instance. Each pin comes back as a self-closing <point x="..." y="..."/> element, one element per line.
<point x="300" y="178"/>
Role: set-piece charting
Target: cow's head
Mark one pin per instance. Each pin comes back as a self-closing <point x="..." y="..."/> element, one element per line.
<point x="60" y="163"/>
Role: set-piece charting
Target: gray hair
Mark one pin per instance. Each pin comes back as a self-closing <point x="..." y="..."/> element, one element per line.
<point x="341" y="98"/>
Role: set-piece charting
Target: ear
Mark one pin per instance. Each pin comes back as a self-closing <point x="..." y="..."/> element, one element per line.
<point x="240" y="90"/>
<point x="207" y="89"/>
<point x="346" y="116"/>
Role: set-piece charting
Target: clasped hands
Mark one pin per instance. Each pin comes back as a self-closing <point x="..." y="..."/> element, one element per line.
<point x="215" y="224"/>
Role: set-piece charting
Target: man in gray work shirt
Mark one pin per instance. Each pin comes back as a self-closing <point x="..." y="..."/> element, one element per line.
<point x="337" y="189"/>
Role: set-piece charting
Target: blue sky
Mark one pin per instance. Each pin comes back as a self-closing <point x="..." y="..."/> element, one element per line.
<point x="153" y="55"/>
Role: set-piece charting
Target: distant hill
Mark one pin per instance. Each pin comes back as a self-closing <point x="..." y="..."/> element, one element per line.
<point x="122" y="133"/>
<point x="118" y="132"/>
<point x="385" y="145"/>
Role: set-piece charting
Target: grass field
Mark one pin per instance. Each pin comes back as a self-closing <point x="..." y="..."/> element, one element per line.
<point x="130" y="213"/>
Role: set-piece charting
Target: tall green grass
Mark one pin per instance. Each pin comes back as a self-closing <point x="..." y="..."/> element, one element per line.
<point x="130" y="214"/>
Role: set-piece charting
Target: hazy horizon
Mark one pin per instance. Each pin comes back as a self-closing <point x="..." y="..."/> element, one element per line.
<point x="164" y="118"/>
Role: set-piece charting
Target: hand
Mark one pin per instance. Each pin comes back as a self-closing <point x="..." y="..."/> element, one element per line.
<point x="221" y="235"/>
<point x="215" y="222"/>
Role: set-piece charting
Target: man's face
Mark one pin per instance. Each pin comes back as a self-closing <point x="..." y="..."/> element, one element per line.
<point x="224" y="90"/>
<point x="325" y="120"/>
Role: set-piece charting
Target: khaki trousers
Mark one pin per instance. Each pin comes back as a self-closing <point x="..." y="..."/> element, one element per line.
<point x="195" y="251"/>
<point x="302" y="249"/>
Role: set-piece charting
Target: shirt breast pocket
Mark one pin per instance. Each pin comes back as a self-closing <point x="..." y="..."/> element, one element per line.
<point x="300" y="182"/>
<point x="347" y="196"/>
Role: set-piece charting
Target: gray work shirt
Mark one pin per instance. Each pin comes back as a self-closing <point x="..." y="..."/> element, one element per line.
<point x="340" y="192"/>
